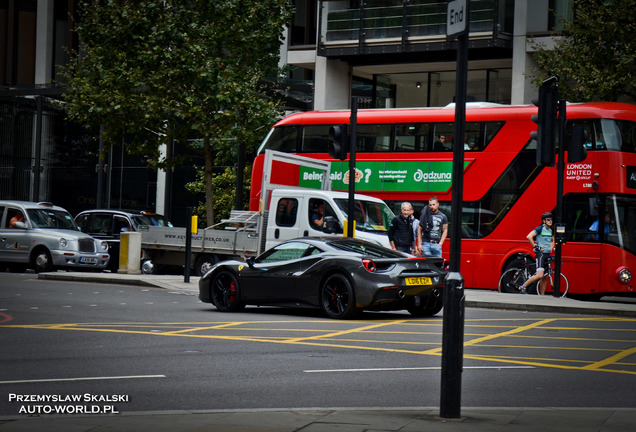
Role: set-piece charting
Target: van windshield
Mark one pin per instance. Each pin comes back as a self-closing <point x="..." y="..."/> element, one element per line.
<point x="370" y="216"/>
<point x="54" y="219"/>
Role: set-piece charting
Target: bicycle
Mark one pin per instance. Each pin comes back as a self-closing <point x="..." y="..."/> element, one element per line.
<point x="512" y="278"/>
<point x="549" y="272"/>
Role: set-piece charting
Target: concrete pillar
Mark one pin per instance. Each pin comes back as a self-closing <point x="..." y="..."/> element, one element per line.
<point x="44" y="42"/>
<point x="332" y="89"/>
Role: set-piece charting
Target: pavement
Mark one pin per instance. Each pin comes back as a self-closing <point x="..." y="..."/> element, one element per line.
<point x="422" y="419"/>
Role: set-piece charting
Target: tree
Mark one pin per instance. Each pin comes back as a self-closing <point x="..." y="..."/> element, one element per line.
<point x="225" y="185"/>
<point x="189" y="70"/>
<point x="596" y="57"/>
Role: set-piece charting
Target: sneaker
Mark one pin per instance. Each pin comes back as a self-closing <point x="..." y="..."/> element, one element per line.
<point x="522" y="289"/>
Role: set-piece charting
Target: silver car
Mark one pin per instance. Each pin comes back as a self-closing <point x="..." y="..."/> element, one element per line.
<point x="44" y="237"/>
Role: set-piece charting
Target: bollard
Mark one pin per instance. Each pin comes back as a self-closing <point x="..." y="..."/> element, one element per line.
<point x="130" y="253"/>
<point x="452" y="346"/>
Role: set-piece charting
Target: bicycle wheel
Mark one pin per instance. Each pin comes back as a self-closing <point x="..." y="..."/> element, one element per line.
<point x="563" y="286"/>
<point x="511" y="279"/>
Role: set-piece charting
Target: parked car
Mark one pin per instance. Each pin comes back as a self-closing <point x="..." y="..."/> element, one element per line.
<point x="44" y="237"/>
<point x="339" y="275"/>
<point x="107" y="224"/>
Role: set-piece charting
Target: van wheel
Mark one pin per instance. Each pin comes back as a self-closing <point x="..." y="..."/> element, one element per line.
<point x="203" y="264"/>
<point x="42" y="261"/>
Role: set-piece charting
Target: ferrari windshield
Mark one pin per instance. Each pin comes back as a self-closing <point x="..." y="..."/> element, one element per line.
<point x="369" y="215"/>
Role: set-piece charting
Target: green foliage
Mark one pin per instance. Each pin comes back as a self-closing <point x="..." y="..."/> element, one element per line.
<point x="224" y="186"/>
<point x="596" y="58"/>
<point x="155" y="70"/>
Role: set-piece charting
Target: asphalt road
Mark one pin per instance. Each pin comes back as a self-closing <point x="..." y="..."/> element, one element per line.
<point x="139" y="349"/>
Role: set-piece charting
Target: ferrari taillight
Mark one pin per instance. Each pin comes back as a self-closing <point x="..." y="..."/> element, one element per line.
<point x="369" y="265"/>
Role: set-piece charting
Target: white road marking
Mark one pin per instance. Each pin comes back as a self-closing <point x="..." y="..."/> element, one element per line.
<point x="82" y="379"/>
<point x="413" y="368"/>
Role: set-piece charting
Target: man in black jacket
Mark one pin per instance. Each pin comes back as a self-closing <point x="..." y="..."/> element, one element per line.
<point x="401" y="230"/>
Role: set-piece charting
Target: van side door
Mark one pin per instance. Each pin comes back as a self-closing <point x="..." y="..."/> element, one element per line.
<point x="285" y="219"/>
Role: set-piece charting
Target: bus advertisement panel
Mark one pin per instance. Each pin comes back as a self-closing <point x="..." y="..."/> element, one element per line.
<point x="406" y="155"/>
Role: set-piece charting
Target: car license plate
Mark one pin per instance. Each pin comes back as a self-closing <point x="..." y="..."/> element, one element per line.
<point x="85" y="260"/>
<point x="419" y="281"/>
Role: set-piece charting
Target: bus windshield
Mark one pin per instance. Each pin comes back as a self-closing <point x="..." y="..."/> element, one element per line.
<point x="370" y="216"/>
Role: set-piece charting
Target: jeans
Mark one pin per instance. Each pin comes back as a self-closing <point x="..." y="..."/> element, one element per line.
<point x="429" y="248"/>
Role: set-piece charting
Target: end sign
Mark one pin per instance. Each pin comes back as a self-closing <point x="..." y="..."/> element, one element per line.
<point x="456" y="18"/>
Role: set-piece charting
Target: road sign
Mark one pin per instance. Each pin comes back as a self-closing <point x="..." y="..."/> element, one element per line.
<point x="456" y="18"/>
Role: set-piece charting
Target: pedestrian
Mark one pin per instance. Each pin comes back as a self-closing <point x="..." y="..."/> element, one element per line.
<point x="542" y="241"/>
<point x="433" y="229"/>
<point x="18" y="217"/>
<point x="416" y="225"/>
<point x="401" y="230"/>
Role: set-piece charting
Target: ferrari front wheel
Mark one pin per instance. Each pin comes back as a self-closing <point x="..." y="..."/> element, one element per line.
<point x="337" y="298"/>
<point x="226" y="295"/>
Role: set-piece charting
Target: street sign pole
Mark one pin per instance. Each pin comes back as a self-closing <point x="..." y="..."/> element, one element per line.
<point x="454" y="296"/>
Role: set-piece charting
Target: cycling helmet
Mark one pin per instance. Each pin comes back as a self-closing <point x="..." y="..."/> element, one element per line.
<point x="546" y="215"/>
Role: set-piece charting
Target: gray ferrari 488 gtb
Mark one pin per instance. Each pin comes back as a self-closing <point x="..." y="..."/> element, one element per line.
<point x="339" y="275"/>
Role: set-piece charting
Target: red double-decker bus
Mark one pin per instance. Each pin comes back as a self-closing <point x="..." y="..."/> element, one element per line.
<point x="405" y="155"/>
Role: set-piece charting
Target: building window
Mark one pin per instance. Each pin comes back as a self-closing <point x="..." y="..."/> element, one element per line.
<point x="303" y="28"/>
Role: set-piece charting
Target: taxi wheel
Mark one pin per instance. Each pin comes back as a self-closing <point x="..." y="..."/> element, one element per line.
<point x="42" y="261"/>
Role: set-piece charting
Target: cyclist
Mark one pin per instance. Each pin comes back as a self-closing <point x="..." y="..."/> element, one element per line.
<point x="542" y="241"/>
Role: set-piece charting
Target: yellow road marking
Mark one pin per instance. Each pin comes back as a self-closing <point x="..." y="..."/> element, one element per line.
<point x="344" y="332"/>
<point x="611" y="360"/>
<point x="326" y="336"/>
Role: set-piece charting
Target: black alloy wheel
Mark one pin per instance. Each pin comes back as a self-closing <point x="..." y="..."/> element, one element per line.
<point x="337" y="298"/>
<point x="226" y="295"/>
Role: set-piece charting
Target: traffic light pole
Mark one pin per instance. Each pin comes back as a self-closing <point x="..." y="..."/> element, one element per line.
<point x="559" y="206"/>
<point x="352" y="166"/>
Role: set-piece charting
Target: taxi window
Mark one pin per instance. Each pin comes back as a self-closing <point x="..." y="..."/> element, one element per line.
<point x="100" y="224"/>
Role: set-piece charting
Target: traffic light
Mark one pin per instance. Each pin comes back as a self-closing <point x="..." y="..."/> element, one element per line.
<point x="546" y="121"/>
<point x="577" y="137"/>
<point x="338" y="144"/>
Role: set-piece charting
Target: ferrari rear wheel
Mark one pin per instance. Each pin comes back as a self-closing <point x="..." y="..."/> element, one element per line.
<point x="337" y="298"/>
<point x="429" y="305"/>
<point x="226" y="295"/>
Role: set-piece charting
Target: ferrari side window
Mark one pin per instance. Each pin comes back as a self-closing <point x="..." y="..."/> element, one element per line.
<point x="284" y="252"/>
